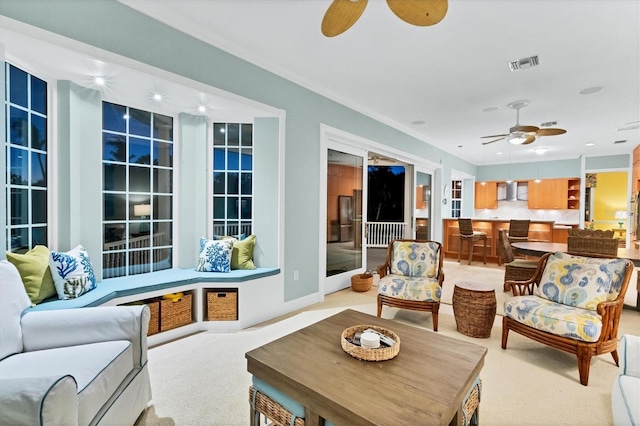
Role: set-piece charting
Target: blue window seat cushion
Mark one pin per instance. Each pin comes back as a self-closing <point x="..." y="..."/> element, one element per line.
<point x="143" y="283"/>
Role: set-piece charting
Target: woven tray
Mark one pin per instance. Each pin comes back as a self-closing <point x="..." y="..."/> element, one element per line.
<point x="382" y="353"/>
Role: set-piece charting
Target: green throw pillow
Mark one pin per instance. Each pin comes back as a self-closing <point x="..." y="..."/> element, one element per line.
<point x="242" y="253"/>
<point x="33" y="267"/>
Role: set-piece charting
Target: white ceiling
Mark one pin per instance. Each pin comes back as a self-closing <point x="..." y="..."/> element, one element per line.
<point x="444" y="75"/>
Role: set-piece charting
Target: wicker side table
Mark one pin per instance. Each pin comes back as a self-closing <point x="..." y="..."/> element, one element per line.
<point x="474" y="308"/>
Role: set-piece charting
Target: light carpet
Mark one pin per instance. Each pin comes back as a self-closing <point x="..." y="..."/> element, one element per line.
<point x="202" y="379"/>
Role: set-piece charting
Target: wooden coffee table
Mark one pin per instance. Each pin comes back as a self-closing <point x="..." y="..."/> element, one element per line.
<point x="424" y="384"/>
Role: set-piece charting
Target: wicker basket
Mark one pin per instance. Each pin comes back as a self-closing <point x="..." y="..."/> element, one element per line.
<point x="222" y="305"/>
<point x="154" y="320"/>
<point x="175" y="314"/>
<point x="471" y="404"/>
<point x="382" y="353"/>
<point x="361" y="282"/>
<point x="474" y="309"/>
<point x="273" y="411"/>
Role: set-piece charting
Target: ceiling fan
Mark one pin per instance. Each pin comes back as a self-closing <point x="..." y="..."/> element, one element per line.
<point x="523" y="135"/>
<point x="342" y="14"/>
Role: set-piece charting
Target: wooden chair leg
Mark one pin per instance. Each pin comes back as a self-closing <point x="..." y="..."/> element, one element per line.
<point x="471" y="245"/>
<point x="614" y="354"/>
<point x="379" y="306"/>
<point x="460" y="249"/>
<point x="484" y="258"/>
<point x="505" y="332"/>
<point x="584" y="363"/>
<point x="434" y="314"/>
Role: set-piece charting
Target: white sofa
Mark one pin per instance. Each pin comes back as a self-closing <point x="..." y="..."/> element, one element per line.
<point x="82" y="366"/>
<point x="625" y="395"/>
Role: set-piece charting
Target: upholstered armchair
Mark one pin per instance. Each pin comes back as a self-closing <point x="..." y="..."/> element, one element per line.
<point x="412" y="277"/>
<point x="81" y="366"/>
<point x="572" y="303"/>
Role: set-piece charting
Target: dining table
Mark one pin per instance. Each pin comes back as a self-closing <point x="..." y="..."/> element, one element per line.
<point x="425" y="383"/>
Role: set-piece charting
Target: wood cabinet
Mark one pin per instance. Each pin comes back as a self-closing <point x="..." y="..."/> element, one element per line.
<point x="486" y="195"/>
<point x="554" y="194"/>
<point x="635" y="172"/>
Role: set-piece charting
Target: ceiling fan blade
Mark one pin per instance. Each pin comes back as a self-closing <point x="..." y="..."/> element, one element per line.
<point x="341" y="15"/>
<point x="494" y="136"/>
<point x="530" y="139"/>
<point x="422" y="13"/>
<point x="525" y="129"/>
<point x="550" y="132"/>
<point x="496" y="140"/>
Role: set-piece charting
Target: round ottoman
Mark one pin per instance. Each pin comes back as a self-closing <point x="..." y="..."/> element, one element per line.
<point x="474" y="308"/>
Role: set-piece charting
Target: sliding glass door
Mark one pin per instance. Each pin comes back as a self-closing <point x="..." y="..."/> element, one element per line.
<point x="346" y="184"/>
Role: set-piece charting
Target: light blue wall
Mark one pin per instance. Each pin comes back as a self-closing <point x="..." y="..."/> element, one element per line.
<point x="608" y="162"/>
<point x="124" y="31"/>
<point x="530" y="171"/>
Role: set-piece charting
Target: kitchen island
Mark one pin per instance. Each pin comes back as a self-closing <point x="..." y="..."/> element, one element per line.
<point x="539" y="230"/>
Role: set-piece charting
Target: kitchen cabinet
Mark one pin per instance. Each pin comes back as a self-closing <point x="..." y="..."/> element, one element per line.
<point x="554" y="194"/>
<point x="486" y="195"/>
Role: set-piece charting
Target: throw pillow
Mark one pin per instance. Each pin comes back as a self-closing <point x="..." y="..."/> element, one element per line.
<point x="242" y="254"/>
<point x="34" y="270"/>
<point x="215" y="255"/>
<point x="228" y="237"/>
<point x="72" y="273"/>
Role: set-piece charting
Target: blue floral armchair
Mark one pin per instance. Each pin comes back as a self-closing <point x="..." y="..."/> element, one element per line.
<point x="412" y="277"/>
<point x="572" y="303"/>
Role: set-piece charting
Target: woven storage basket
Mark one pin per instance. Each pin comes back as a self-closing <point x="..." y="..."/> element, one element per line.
<point x="154" y="320"/>
<point x="382" y="353"/>
<point x="273" y="411"/>
<point x="361" y="282"/>
<point x="472" y="403"/>
<point x="175" y="314"/>
<point x="222" y="305"/>
<point x="474" y="310"/>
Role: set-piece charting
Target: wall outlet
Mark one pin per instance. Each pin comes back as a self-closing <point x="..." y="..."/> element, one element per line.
<point x="296" y="275"/>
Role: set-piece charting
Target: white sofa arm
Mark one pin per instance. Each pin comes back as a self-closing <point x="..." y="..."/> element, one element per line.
<point x="39" y="401"/>
<point x="630" y="355"/>
<point x="70" y="327"/>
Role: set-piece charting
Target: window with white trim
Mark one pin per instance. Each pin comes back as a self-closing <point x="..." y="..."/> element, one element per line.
<point x="26" y="159"/>
<point x="456" y="198"/>
<point x="137" y="167"/>
<point x="232" y="179"/>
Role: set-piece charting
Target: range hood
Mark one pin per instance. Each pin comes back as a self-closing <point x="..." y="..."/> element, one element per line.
<point x="512" y="191"/>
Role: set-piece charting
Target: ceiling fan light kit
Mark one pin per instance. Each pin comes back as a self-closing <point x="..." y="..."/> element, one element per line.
<point x="517" y="138"/>
<point x="342" y="14"/>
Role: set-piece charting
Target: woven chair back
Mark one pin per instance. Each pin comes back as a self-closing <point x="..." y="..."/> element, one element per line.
<point x="519" y="228"/>
<point x="466" y="228"/>
<point x="505" y="246"/>
<point x="590" y="245"/>
<point x="590" y="233"/>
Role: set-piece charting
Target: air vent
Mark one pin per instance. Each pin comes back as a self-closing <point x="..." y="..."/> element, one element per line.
<point x="620" y="141"/>
<point x="549" y="124"/>
<point x="524" y="63"/>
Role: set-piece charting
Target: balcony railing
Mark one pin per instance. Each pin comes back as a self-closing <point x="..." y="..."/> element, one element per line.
<point x="380" y="234"/>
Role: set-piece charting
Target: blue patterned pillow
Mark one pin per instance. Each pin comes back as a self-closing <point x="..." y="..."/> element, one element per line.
<point x="215" y="255"/>
<point x="72" y="273"/>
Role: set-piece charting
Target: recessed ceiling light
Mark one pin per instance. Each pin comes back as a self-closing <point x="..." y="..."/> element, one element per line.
<point x="157" y="97"/>
<point x="590" y="144"/>
<point x="540" y="150"/>
<point x="459" y="146"/>
<point x="499" y="153"/>
<point x="202" y="108"/>
<point x="99" y="81"/>
<point x="590" y="90"/>
<point x="418" y="122"/>
<point x="490" y="109"/>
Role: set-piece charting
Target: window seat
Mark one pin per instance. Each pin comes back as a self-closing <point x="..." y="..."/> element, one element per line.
<point x="167" y="279"/>
<point x="254" y="288"/>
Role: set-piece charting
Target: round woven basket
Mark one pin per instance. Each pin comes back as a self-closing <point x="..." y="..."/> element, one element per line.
<point x="361" y="282"/>
<point x="382" y="353"/>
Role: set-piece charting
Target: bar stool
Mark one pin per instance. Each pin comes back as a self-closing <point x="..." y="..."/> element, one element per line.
<point x="518" y="231"/>
<point x="470" y="236"/>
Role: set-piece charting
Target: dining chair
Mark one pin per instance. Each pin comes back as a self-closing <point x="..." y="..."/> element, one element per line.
<point x="470" y="236"/>
<point x="587" y="241"/>
<point x="518" y="231"/>
<point x="514" y="269"/>
<point x="412" y="277"/>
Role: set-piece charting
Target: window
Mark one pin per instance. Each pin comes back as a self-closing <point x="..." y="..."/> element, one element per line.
<point x="232" y="178"/>
<point x="456" y="198"/>
<point x="137" y="196"/>
<point x="26" y="161"/>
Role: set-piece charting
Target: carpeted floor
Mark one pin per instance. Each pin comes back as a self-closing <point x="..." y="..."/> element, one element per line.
<point x="202" y="379"/>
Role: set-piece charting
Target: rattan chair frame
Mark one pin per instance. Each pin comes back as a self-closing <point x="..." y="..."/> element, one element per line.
<point x="608" y="311"/>
<point x="415" y="305"/>
<point x="467" y="234"/>
<point x="590" y="245"/>
<point x="521" y="270"/>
